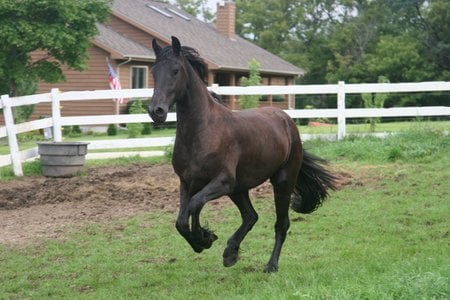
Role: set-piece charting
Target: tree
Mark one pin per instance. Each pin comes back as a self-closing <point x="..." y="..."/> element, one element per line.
<point x="250" y="101"/>
<point x="266" y="23"/>
<point x="62" y="29"/>
<point x="135" y="129"/>
<point x="197" y="8"/>
<point x="436" y="21"/>
<point x="375" y="100"/>
<point x="355" y="40"/>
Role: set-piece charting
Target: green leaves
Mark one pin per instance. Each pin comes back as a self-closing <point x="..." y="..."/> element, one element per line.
<point x="62" y="28"/>
<point x="353" y="41"/>
<point x="250" y="101"/>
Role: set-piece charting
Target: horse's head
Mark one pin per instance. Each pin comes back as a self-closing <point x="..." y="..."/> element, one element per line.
<point x="171" y="77"/>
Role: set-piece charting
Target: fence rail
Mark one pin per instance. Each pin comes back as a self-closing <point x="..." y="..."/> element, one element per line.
<point x="56" y="121"/>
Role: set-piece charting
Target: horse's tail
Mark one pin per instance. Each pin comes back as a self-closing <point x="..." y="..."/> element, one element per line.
<point x="313" y="183"/>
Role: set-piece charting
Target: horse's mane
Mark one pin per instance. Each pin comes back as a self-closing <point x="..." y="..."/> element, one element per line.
<point x="192" y="56"/>
<point x="197" y="63"/>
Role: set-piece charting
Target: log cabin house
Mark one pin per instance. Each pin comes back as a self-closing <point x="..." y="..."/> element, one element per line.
<point x="125" y="41"/>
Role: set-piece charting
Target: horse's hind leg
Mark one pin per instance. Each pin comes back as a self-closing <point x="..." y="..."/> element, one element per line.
<point x="249" y="218"/>
<point x="282" y="187"/>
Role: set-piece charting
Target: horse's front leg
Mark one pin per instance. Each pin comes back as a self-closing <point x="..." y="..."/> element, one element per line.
<point x="182" y="223"/>
<point x="219" y="186"/>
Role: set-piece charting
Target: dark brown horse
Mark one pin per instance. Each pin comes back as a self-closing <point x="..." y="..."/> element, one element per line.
<point x="219" y="152"/>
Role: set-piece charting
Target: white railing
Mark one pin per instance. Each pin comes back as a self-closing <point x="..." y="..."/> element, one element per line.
<point x="341" y="113"/>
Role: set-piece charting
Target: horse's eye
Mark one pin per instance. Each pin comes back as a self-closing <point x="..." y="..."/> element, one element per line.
<point x="175" y="72"/>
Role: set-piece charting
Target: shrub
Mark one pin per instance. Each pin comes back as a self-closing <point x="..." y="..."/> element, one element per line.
<point x="168" y="152"/>
<point x="147" y="128"/>
<point x="112" y="130"/>
<point x="66" y="130"/>
<point x="135" y="129"/>
<point x="76" y="129"/>
<point x="250" y="101"/>
<point x="375" y="101"/>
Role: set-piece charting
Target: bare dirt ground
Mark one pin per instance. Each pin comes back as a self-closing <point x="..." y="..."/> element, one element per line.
<point x="34" y="208"/>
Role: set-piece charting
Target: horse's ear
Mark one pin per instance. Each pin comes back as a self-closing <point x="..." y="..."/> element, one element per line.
<point x="176" y="46"/>
<point x="157" y="48"/>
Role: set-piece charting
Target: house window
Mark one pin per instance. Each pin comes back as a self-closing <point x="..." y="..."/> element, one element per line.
<point x="139" y="77"/>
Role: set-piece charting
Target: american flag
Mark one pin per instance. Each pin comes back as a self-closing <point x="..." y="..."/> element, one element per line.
<point x="114" y="82"/>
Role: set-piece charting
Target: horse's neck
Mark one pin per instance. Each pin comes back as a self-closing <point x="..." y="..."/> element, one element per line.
<point x="194" y="109"/>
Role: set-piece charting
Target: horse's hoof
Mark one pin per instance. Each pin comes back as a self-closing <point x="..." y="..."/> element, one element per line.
<point x="271" y="269"/>
<point x="197" y="248"/>
<point x="230" y="256"/>
<point x="231" y="260"/>
<point x="208" y="239"/>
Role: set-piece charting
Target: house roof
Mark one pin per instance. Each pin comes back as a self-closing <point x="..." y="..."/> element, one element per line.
<point x="163" y="20"/>
<point x="120" y="46"/>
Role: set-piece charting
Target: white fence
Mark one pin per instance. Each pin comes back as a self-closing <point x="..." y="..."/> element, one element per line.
<point x="341" y="113"/>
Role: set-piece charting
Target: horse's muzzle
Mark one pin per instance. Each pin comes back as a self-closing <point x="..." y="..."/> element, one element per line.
<point x="158" y="114"/>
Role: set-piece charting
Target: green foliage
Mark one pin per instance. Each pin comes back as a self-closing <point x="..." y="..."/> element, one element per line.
<point x="61" y="29"/>
<point x="355" y="41"/>
<point x="72" y="131"/>
<point x="22" y="113"/>
<point x="375" y="101"/>
<point x="168" y="152"/>
<point x="147" y="128"/>
<point x="76" y="129"/>
<point x="197" y="8"/>
<point x="111" y="130"/>
<point x="416" y="145"/>
<point x="267" y="23"/>
<point x="254" y="79"/>
<point x="135" y="129"/>
<point x="66" y="130"/>
<point x="30" y="136"/>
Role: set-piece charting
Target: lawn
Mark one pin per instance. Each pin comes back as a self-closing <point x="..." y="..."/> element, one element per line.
<point x="383" y="235"/>
<point x="28" y="140"/>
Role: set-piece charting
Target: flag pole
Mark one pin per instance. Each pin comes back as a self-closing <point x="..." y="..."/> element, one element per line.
<point x="116" y="102"/>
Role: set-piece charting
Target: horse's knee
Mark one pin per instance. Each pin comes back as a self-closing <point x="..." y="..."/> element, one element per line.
<point x="252" y="219"/>
<point x="282" y="225"/>
<point x="183" y="228"/>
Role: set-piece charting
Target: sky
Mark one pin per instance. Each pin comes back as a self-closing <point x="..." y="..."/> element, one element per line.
<point x="212" y="5"/>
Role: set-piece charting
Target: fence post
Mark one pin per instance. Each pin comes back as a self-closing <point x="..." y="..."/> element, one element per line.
<point x="12" y="138"/>
<point x="341" y="110"/>
<point x="56" y="115"/>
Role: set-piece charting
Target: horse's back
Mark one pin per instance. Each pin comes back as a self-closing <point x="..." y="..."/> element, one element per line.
<point x="269" y="124"/>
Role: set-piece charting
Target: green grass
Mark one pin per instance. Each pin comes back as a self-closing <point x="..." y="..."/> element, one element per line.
<point x="351" y="128"/>
<point x="419" y="144"/>
<point x="34" y="168"/>
<point x="381" y="127"/>
<point x="384" y="235"/>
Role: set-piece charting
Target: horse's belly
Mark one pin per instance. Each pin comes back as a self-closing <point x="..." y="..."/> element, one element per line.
<point x="257" y="169"/>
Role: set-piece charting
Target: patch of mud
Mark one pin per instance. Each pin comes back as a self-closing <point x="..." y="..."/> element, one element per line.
<point x="33" y="208"/>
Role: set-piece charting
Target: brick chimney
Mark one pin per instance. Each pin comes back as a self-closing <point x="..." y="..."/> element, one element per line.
<point x="226" y="18"/>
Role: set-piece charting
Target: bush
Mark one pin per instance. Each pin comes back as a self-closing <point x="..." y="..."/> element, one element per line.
<point x="66" y="130"/>
<point x="135" y="129"/>
<point x="168" y="152"/>
<point x="254" y="79"/>
<point x="76" y="129"/>
<point x="147" y="129"/>
<point x="112" y="130"/>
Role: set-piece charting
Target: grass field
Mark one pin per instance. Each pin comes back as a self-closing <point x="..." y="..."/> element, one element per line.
<point x="30" y="140"/>
<point x="385" y="235"/>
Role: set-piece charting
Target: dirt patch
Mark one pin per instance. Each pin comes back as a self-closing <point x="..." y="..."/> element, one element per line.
<point x="38" y="207"/>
